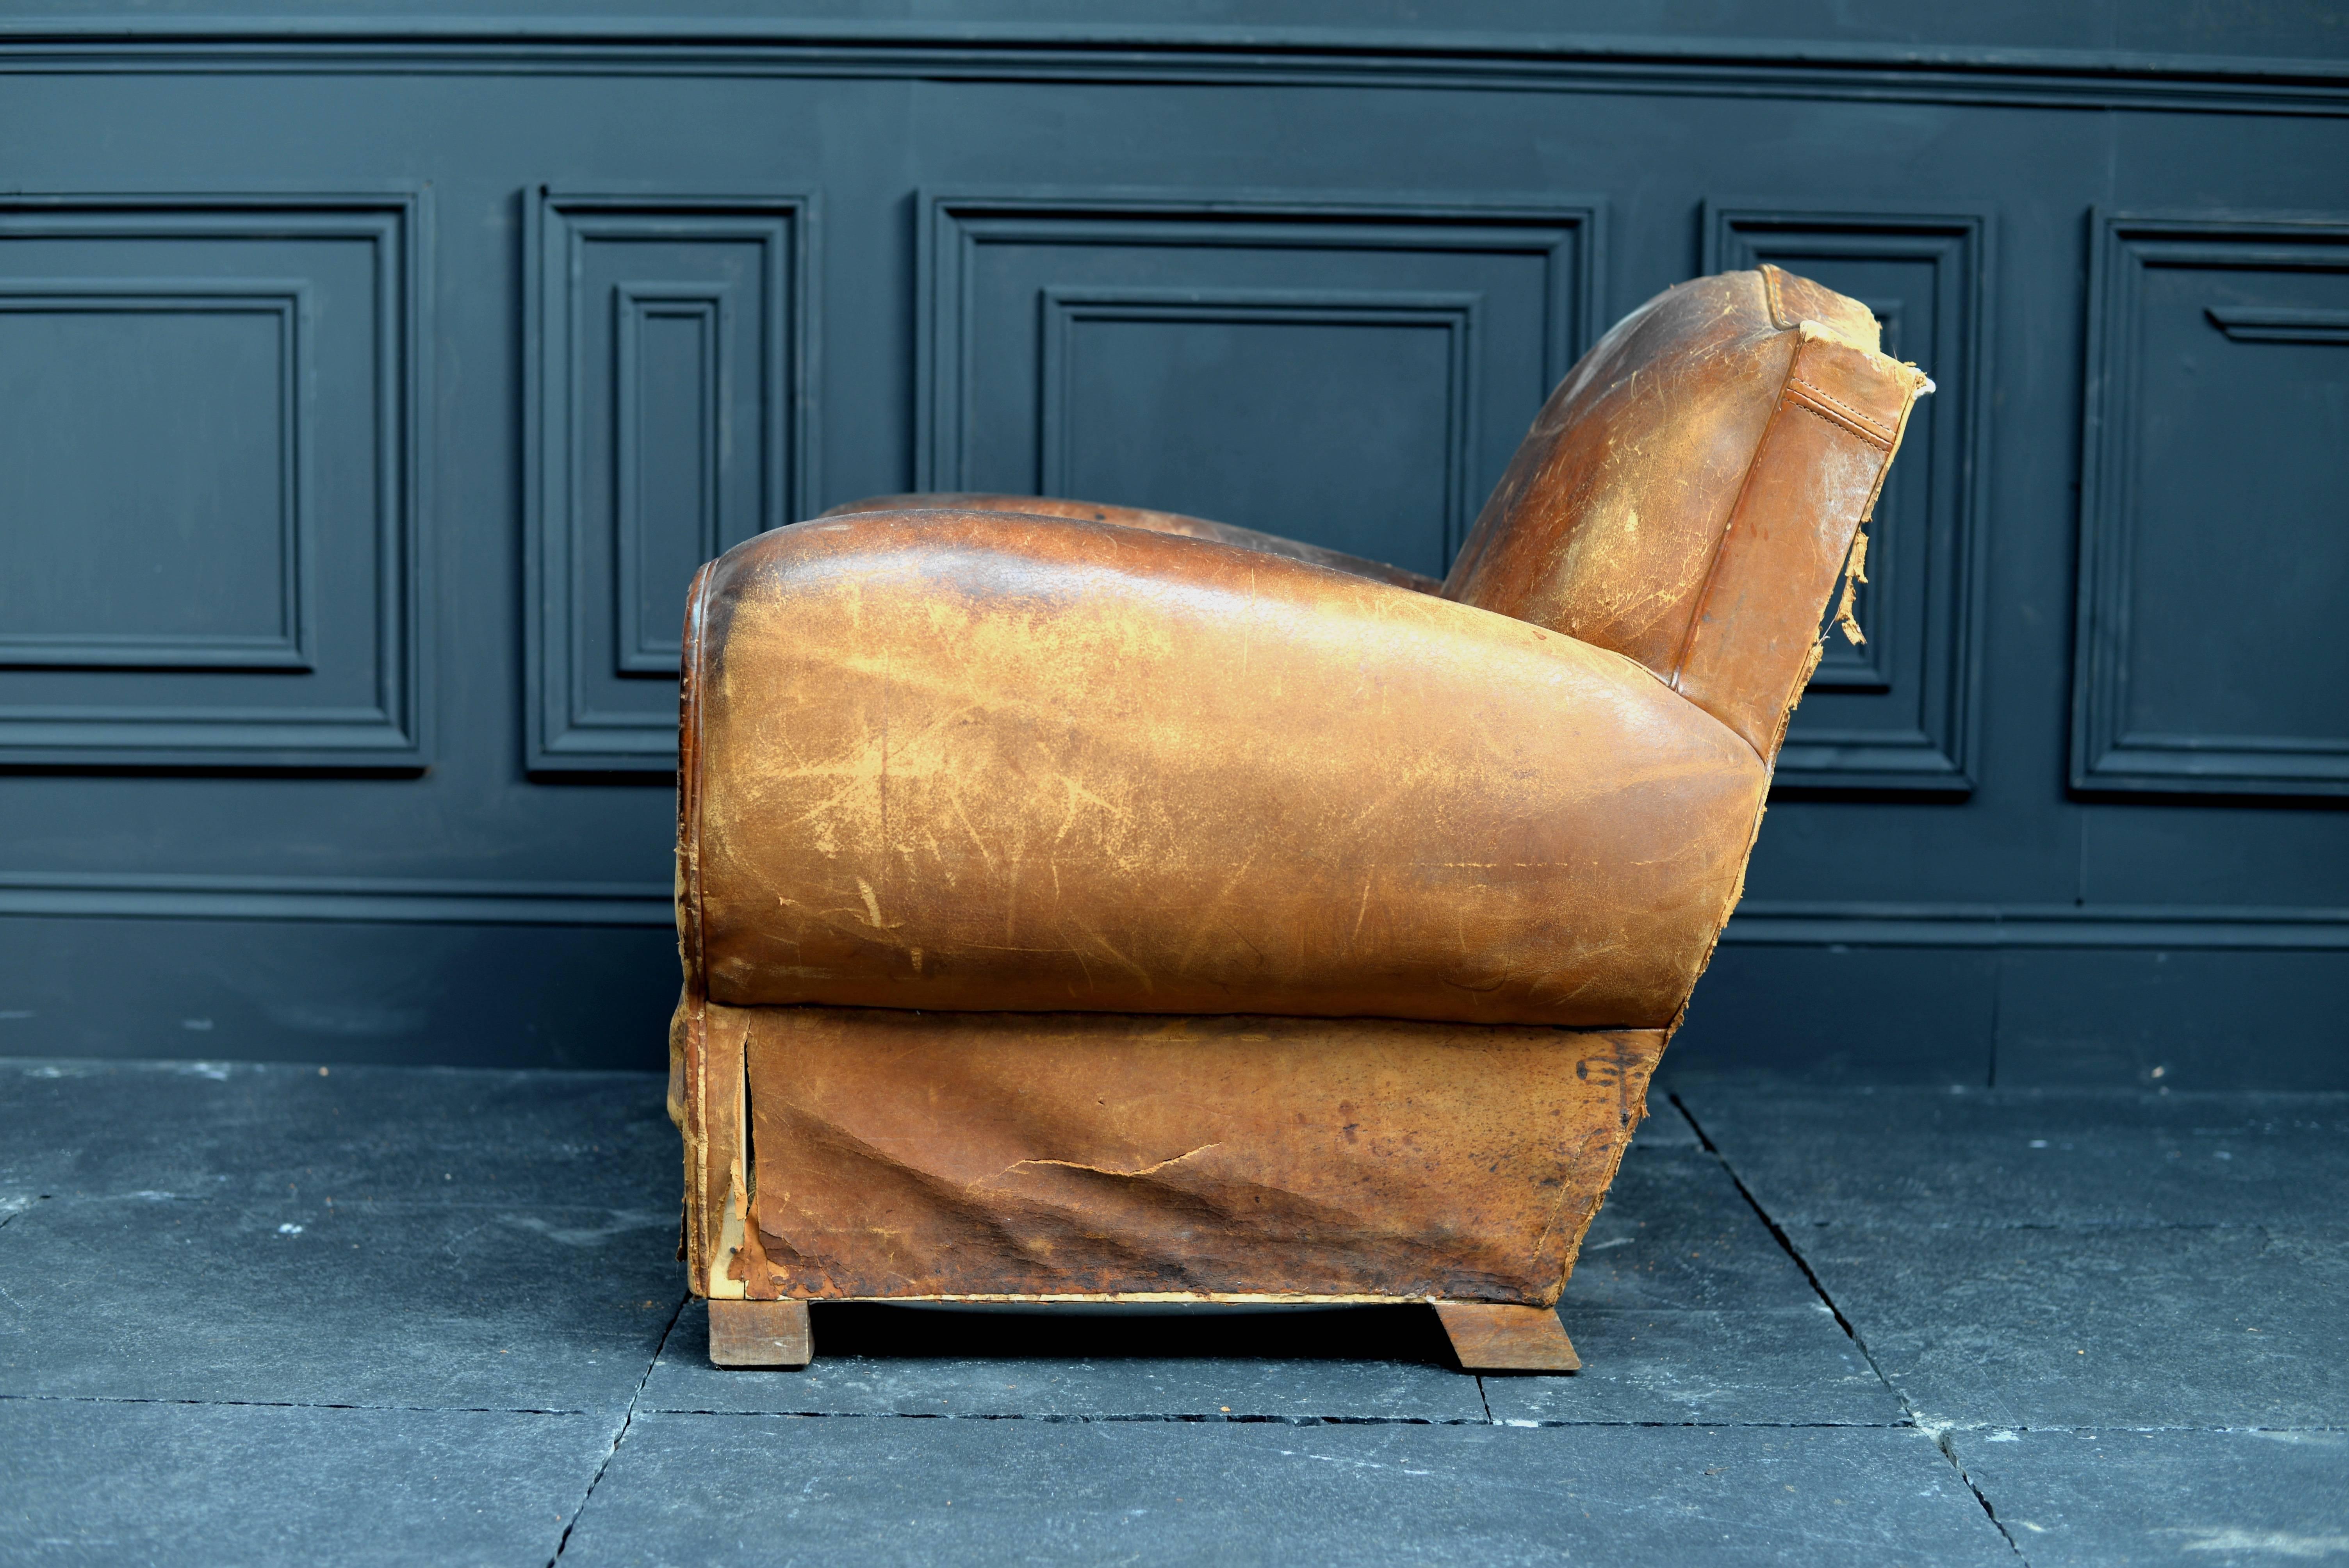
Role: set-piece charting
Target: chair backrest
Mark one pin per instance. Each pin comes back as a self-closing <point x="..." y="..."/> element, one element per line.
<point x="1690" y="494"/>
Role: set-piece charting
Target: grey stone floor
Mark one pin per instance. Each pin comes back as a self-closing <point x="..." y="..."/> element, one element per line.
<point x="261" y="1314"/>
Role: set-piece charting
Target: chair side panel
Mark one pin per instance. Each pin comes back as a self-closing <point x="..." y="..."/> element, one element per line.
<point x="903" y="1154"/>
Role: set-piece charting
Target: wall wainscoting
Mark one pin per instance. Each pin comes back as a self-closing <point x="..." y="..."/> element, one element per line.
<point x="370" y="387"/>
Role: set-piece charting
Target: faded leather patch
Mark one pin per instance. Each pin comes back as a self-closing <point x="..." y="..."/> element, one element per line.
<point x="903" y="1154"/>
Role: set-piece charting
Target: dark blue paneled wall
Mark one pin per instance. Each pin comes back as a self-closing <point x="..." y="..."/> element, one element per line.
<point x="370" y="385"/>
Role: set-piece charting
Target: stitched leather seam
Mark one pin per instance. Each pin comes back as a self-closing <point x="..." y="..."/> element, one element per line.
<point x="1861" y="424"/>
<point x="1835" y="422"/>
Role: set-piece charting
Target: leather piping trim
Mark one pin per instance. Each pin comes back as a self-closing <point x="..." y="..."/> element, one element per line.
<point x="1802" y="392"/>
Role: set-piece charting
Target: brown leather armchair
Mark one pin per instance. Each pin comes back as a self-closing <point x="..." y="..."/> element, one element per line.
<point x="1086" y="903"/>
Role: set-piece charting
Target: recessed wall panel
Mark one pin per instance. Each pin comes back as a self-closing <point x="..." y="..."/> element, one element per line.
<point x="2213" y="653"/>
<point x="212" y="532"/>
<point x="1348" y="409"/>
<point x="1354" y="376"/>
<point x="152" y="455"/>
<point x="668" y="339"/>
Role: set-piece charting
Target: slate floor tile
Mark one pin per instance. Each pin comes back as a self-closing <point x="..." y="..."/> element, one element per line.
<point x="452" y="1252"/>
<point x="523" y="1307"/>
<point x="1684" y="1307"/>
<point x="1349" y="1364"/>
<point x="1675" y="1240"/>
<point x="737" y="1488"/>
<point x="1674" y="1231"/>
<point x="1788" y="1366"/>
<point x="2085" y="1327"/>
<point x="2213" y="1500"/>
<point x="200" y="1129"/>
<point x="107" y="1483"/>
<point x="1997" y="1158"/>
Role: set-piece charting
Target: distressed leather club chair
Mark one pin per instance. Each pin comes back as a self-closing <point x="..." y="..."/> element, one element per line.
<point x="1083" y="903"/>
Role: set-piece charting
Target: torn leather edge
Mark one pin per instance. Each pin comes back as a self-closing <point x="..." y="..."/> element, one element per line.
<point x="1920" y="385"/>
<point x="1796" y="392"/>
<point x="1631" y="1109"/>
<point x="1855" y="571"/>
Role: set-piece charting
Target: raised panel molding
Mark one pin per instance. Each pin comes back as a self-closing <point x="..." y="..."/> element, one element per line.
<point x="1900" y="713"/>
<point x="1373" y="270"/>
<point x="669" y="342"/>
<point x="332" y="671"/>
<point x="2247" y="324"/>
<point x="640" y="517"/>
<point x="1453" y="314"/>
<point x="283" y="308"/>
<point x="2261" y="561"/>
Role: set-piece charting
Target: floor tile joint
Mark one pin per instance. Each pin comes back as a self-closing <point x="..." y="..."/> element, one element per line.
<point x="626" y="1418"/>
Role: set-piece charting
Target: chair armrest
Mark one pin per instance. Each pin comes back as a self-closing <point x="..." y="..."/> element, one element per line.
<point x="1155" y="521"/>
<point x="983" y="762"/>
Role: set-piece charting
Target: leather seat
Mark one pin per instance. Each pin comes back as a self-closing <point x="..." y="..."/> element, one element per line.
<point x="1083" y="901"/>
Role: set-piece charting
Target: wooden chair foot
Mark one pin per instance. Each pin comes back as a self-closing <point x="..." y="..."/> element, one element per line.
<point x="770" y="1333"/>
<point x="1490" y="1337"/>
